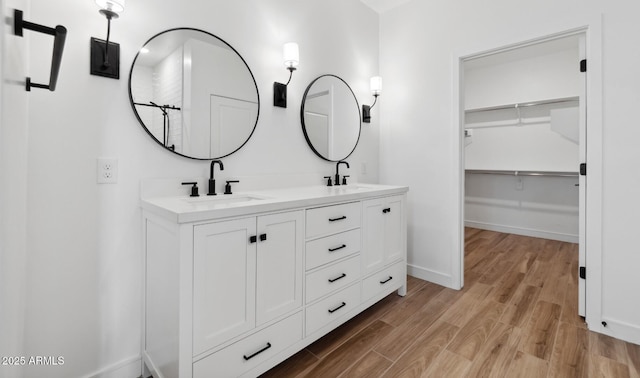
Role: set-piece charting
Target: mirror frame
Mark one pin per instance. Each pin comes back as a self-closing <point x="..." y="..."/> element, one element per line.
<point x="135" y="111"/>
<point x="304" y="129"/>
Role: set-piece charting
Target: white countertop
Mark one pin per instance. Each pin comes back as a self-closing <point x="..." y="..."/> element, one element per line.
<point x="185" y="209"/>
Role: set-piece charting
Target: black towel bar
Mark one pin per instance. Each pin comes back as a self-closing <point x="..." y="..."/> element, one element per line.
<point x="59" y="33"/>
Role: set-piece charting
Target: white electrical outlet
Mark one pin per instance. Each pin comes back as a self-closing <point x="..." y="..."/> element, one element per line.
<point x="519" y="184"/>
<point x="107" y="171"/>
<point x="363" y="168"/>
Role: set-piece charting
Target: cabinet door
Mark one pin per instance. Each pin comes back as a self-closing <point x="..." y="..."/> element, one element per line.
<point x="279" y="264"/>
<point x="394" y="237"/>
<point x="373" y="229"/>
<point x="383" y="232"/>
<point x="224" y="287"/>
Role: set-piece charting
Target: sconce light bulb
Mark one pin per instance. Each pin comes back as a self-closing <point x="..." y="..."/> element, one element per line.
<point x="376" y="85"/>
<point x="291" y="55"/>
<point x="115" y="6"/>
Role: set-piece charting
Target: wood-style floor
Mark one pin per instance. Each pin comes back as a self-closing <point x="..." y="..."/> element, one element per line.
<point x="516" y="317"/>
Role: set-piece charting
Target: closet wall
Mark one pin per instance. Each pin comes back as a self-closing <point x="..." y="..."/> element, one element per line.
<point x="541" y="138"/>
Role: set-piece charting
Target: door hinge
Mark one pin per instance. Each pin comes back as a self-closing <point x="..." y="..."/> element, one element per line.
<point x="583" y="169"/>
<point x="583" y="65"/>
<point x="583" y="272"/>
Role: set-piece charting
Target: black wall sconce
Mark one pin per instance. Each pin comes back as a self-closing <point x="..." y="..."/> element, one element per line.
<point x="105" y="55"/>
<point x="291" y="59"/>
<point x="376" y="88"/>
<point x="59" y="34"/>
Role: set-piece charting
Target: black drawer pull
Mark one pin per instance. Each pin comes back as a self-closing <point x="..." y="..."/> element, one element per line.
<point x="387" y="280"/>
<point x="257" y="353"/>
<point x="263" y="237"/>
<point x="332" y="280"/>
<point x="337" y="219"/>
<point x="337" y="308"/>
<point x="387" y="210"/>
<point x="337" y="248"/>
<point x="253" y="239"/>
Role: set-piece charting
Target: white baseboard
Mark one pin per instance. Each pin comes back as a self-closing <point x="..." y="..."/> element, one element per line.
<point x="128" y="368"/>
<point x="618" y="329"/>
<point x="430" y="275"/>
<point x="569" y="238"/>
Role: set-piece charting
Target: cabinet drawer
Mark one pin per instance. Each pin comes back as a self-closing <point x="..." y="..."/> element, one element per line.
<point x="331" y="248"/>
<point x="331" y="219"/>
<point x="332" y="277"/>
<point x="248" y="353"/>
<point x="386" y="280"/>
<point x="332" y="308"/>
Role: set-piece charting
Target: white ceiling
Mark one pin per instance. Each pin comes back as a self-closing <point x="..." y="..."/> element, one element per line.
<point x="382" y="6"/>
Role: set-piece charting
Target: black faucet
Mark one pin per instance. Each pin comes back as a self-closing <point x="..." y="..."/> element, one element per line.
<point x="337" y="179"/>
<point x="212" y="181"/>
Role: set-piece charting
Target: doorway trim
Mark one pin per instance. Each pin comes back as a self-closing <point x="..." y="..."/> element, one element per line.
<point x="592" y="29"/>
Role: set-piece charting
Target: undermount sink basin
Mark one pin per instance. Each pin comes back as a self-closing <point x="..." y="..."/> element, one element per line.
<point x="223" y="199"/>
<point x="350" y="188"/>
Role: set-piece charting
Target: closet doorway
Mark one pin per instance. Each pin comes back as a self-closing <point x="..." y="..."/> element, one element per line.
<point x="524" y="143"/>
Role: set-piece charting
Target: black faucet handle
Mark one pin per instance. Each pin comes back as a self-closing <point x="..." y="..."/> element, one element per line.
<point x="329" y="183"/>
<point x="194" y="188"/>
<point x="227" y="188"/>
<point x="344" y="179"/>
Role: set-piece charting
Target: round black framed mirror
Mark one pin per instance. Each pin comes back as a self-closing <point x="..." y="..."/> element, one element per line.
<point x="330" y="117"/>
<point x="194" y="94"/>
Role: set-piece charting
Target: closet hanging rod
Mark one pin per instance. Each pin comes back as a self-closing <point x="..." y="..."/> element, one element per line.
<point x="60" y="35"/>
<point x="522" y="173"/>
<point x="524" y="104"/>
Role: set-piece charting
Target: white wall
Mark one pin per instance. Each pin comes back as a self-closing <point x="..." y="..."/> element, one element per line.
<point x="419" y="44"/>
<point x="538" y="206"/>
<point x="83" y="297"/>
<point x="539" y="72"/>
<point x="14" y="134"/>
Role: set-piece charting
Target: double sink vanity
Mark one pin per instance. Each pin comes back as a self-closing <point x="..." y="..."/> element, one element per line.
<point x="236" y="284"/>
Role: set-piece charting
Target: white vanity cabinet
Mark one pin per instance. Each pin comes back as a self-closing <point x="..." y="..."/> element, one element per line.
<point x="234" y="291"/>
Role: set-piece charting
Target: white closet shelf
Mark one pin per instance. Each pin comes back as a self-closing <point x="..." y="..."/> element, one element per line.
<point x="522" y="173"/>
<point x="524" y="104"/>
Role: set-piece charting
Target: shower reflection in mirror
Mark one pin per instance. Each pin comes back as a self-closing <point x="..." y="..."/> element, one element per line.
<point x="166" y="122"/>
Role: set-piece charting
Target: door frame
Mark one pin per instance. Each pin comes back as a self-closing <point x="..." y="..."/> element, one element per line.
<point x="592" y="30"/>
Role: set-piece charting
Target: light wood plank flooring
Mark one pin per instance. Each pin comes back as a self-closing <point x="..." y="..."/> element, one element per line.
<point x="515" y="317"/>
